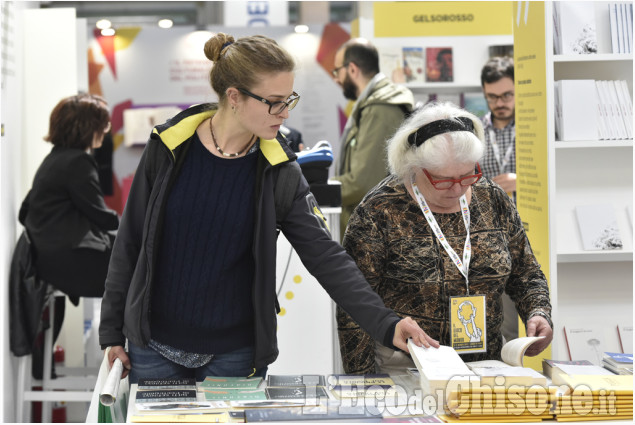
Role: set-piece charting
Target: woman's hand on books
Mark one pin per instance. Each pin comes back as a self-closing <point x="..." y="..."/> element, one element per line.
<point x="538" y="326"/>
<point x="408" y="328"/>
<point x="118" y="351"/>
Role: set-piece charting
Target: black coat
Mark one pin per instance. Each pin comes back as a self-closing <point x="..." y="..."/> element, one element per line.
<point x="69" y="223"/>
<point x="27" y="296"/>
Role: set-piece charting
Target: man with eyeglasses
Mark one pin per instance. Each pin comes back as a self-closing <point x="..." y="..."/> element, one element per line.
<point x="379" y="109"/>
<point x="499" y="163"/>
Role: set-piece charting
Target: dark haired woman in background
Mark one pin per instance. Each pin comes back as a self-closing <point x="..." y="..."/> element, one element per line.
<point x="64" y="212"/>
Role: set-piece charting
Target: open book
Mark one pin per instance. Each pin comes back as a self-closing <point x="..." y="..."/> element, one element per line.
<point x="510" y="371"/>
<point x="441" y="369"/>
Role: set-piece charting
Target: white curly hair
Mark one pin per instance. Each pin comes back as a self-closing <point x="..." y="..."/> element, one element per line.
<point x="457" y="147"/>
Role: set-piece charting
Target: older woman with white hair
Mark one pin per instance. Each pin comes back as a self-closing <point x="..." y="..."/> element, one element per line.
<point x="441" y="244"/>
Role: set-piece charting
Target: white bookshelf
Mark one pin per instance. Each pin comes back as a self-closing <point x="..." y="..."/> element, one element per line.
<point x="588" y="287"/>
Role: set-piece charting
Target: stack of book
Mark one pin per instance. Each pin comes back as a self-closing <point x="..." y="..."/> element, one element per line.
<point x="302" y="390"/>
<point x="593" y="398"/>
<point x="232" y="389"/>
<point x="619" y="363"/>
<point x="484" y="391"/>
<point x="499" y="404"/>
<point x="361" y="386"/>
<point x="174" y="400"/>
<point x="593" y="110"/>
<point x="621" y="18"/>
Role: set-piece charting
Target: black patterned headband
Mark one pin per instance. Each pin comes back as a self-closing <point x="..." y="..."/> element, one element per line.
<point x="439" y="127"/>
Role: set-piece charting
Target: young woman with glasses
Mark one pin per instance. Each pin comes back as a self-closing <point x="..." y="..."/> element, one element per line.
<point x="191" y="285"/>
<point x="434" y="230"/>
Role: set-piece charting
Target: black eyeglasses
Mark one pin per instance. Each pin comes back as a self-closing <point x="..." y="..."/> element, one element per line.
<point x="275" y="108"/>
<point x="336" y="70"/>
<point x="505" y="97"/>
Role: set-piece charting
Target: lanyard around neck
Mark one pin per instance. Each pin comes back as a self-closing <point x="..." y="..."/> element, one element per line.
<point x="462" y="265"/>
<point x="502" y="163"/>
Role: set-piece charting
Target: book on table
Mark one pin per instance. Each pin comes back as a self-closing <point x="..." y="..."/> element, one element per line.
<point x="549" y="364"/>
<point x="300" y="394"/>
<point x="295" y="380"/>
<point x="166" y="384"/>
<point x="510" y="371"/>
<point x="561" y="372"/>
<point x="320" y="413"/>
<point x="230" y="382"/>
<point x="360" y="386"/>
<point x="618" y="363"/>
<point x="165" y="396"/>
<point x="232" y="394"/>
<point x="440" y="369"/>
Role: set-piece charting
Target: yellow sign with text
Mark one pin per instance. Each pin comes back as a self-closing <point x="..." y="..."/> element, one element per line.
<point x="441" y="18"/>
<point x="532" y="166"/>
<point x="468" y="324"/>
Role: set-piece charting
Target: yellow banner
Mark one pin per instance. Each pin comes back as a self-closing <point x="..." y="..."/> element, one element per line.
<point x="532" y="169"/>
<point x="440" y="18"/>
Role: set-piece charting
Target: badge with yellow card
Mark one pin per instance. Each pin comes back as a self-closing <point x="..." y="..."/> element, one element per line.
<point x="467" y="324"/>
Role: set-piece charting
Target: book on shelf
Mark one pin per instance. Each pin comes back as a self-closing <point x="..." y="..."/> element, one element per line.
<point x="295" y="380"/>
<point x="624" y="11"/>
<point x="589" y="342"/>
<point x="625" y="335"/>
<point x="511" y="367"/>
<point x="391" y="63"/>
<point x="549" y="364"/>
<point x="618" y="363"/>
<point x="439" y="64"/>
<point x="629" y="25"/>
<point x="576" y="28"/>
<point x="230" y="382"/>
<point x="166" y="384"/>
<point x="621" y="98"/>
<point x="614" y="109"/>
<point x="501" y="50"/>
<point x="598" y="227"/>
<point x="165" y="396"/>
<point x="615" y="45"/>
<point x="413" y="64"/>
<point x="576" y="110"/>
<point x="475" y="103"/>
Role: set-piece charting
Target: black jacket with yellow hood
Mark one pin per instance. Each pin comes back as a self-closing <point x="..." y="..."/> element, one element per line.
<point x="125" y="311"/>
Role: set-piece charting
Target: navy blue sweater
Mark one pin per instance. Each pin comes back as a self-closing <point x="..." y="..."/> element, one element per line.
<point x="202" y="294"/>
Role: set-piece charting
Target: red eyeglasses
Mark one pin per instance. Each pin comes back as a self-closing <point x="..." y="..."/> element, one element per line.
<point x="448" y="183"/>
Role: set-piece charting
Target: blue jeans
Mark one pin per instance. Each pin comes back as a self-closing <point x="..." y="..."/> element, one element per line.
<point x="147" y="363"/>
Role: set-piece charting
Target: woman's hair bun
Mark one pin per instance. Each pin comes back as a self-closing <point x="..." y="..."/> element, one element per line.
<point x="215" y="45"/>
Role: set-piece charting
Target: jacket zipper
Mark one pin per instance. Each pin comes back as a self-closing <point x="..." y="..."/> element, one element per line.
<point x="149" y="261"/>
